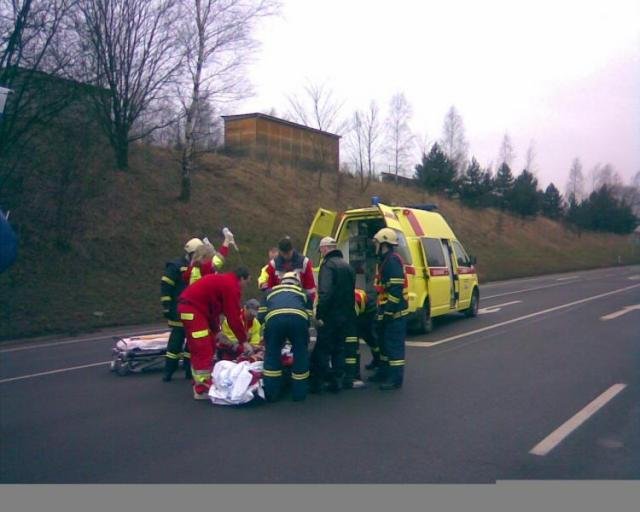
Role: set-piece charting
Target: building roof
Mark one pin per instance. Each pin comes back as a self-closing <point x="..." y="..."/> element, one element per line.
<point x="281" y="121"/>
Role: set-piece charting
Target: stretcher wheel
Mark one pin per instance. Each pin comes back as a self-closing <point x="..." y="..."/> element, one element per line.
<point x="122" y="368"/>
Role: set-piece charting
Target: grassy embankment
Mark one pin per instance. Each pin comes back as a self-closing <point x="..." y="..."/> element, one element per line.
<point x="109" y="273"/>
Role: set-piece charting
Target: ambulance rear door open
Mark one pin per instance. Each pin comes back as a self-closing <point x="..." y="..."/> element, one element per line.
<point x="321" y="226"/>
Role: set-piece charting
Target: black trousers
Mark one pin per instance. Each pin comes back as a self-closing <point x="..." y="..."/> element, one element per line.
<point x="365" y="328"/>
<point x="328" y="356"/>
<point x="277" y="331"/>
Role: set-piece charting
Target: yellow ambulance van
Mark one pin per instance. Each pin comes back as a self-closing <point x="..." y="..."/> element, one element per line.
<point x="441" y="276"/>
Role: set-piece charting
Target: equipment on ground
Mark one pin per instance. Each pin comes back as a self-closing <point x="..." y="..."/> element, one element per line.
<point x="137" y="354"/>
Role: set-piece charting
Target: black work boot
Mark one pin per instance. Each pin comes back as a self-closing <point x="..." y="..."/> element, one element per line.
<point x="170" y="366"/>
<point x="396" y="374"/>
<point x="389" y="386"/>
<point x="381" y="374"/>
<point x="333" y="384"/>
<point x="186" y="365"/>
<point x="315" y="386"/>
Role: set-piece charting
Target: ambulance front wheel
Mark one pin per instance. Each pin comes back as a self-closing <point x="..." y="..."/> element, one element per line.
<point x="424" y="324"/>
<point x="472" y="311"/>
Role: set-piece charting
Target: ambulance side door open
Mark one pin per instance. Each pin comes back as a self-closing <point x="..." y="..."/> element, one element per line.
<point x="321" y="226"/>
<point x="439" y="278"/>
<point x="466" y="274"/>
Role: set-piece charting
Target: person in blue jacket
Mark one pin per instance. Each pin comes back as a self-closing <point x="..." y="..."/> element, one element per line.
<point x="8" y="243"/>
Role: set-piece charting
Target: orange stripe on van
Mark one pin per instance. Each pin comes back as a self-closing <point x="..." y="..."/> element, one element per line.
<point x="415" y="225"/>
<point x="410" y="269"/>
<point x="439" y="271"/>
<point x="466" y="270"/>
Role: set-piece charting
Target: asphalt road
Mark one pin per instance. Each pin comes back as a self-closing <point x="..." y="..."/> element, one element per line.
<point x="538" y="386"/>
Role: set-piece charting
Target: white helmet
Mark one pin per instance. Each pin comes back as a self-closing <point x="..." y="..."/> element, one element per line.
<point x="327" y="241"/>
<point x="290" y="278"/>
<point x="387" y="235"/>
<point x="191" y="246"/>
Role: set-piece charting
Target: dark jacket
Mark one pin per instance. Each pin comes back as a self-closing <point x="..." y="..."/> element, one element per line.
<point x="336" y="288"/>
<point x="171" y="287"/>
<point x="285" y="299"/>
<point x="391" y="286"/>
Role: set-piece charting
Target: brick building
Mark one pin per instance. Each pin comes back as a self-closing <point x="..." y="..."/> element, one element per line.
<point x="267" y="137"/>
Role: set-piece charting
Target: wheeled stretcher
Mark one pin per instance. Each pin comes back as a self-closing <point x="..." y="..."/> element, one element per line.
<point x="137" y="354"/>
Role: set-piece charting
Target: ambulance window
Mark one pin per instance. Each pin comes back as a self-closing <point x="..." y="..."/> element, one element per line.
<point x="461" y="256"/>
<point x="435" y="255"/>
<point x="313" y="250"/>
<point x="403" y="248"/>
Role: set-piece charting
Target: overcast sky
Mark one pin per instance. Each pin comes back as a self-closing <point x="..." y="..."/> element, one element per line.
<point x="564" y="74"/>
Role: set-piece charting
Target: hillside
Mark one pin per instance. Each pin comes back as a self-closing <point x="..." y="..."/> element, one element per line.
<point x="107" y="271"/>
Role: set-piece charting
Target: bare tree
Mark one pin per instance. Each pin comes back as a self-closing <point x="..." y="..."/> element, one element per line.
<point x="318" y="108"/>
<point x="453" y="142"/>
<point x="130" y="56"/>
<point x="365" y="143"/>
<point x="530" y="164"/>
<point x="575" y="183"/>
<point x="31" y="34"/>
<point x="423" y="143"/>
<point x="401" y="140"/>
<point x="217" y="38"/>
<point x="507" y="154"/>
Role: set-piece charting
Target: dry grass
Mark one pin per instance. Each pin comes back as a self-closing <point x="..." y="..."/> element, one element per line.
<point x="110" y="276"/>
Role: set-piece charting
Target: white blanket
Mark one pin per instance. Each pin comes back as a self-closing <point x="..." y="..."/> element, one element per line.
<point x="146" y="342"/>
<point x="232" y="383"/>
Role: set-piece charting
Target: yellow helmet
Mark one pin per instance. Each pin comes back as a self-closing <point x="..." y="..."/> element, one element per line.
<point x="387" y="235"/>
<point x="192" y="245"/>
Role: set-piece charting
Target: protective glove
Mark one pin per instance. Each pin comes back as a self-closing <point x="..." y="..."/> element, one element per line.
<point x="247" y="348"/>
<point x="228" y="237"/>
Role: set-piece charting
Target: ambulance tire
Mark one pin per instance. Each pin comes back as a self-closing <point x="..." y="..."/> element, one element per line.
<point x="424" y="322"/>
<point x="472" y="310"/>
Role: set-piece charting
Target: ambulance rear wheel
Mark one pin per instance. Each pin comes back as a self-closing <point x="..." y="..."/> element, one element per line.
<point x="472" y="311"/>
<point x="424" y="323"/>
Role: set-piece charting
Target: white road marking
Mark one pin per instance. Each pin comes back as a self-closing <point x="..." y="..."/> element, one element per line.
<point x="567" y="278"/>
<point x="634" y="278"/>
<point x="523" y="290"/>
<point x="61" y="370"/>
<point x="497" y="307"/>
<point x="518" y="319"/>
<point x="559" y="434"/>
<point x="623" y="311"/>
<point x="79" y="340"/>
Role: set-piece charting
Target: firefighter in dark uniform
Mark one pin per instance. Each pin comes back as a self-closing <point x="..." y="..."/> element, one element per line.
<point x="391" y="323"/>
<point x="171" y="287"/>
<point x="285" y="313"/>
<point x="337" y="340"/>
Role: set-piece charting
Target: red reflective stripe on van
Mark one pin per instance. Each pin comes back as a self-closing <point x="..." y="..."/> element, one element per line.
<point x="410" y="269"/>
<point x="438" y="272"/>
<point x="466" y="270"/>
<point x="415" y="225"/>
